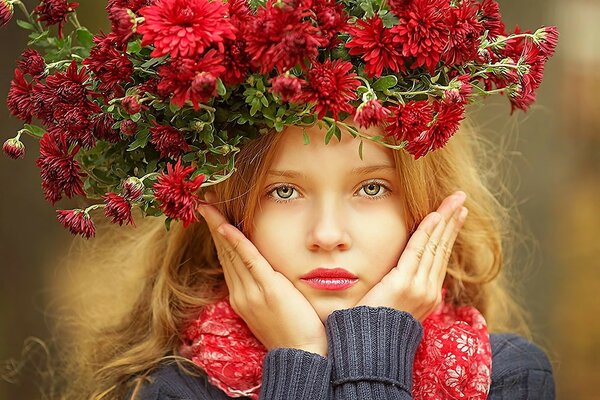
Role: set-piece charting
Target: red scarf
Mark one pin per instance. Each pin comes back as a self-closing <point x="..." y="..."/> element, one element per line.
<point x="453" y="360"/>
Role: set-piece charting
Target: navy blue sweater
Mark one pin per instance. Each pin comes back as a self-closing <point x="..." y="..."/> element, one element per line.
<point x="370" y="356"/>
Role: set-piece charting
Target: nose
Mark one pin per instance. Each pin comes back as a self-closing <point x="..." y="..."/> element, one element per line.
<point x="328" y="227"/>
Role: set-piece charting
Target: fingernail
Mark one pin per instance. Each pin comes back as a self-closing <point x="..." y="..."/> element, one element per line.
<point x="221" y="231"/>
<point x="463" y="214"/>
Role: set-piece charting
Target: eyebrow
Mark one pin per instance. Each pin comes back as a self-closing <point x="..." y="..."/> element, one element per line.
<point x="357" y="171"/>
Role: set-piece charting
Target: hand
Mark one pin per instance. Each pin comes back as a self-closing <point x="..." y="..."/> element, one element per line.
<point x="415" y="284"/>
<point x="275" y="311"/>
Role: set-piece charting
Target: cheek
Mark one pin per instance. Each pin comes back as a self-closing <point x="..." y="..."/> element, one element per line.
<point x="274" y="237"/>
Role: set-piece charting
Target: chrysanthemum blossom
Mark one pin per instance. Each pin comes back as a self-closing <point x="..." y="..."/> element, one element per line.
<point x="422" y="32"/>
<point x="6" y="12"/>
<point x="110" y="65"/>
<point x="19" y="100"/>
<point x="118" y="209"/>
<point x="331" y="86"/>
<point x="58" y="168"/>
<point x="287" y="87"/>
<point x="279" y="37"/>
<point x="465" y="33"/>
<point x="14" y="148"/>
<point x="370" y="113"/>
<point x="374" y="43"/>
<point x="491" y="18"/>
<point x="408" y="121"/>
<point x="546" y="40"/>
<point x="169" y="141"/>
<point x="176" y="193"/>
<point x="32" y="63"/>
<point x="133" y="188"/>
<point x="77" y="221"/>
<point x="185" y="28"/>
<point x="55" y="12"/>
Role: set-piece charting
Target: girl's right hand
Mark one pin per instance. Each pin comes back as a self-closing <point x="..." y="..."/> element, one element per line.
<point x="275" y="311"/>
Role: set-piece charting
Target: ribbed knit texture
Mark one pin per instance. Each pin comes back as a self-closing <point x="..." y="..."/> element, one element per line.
<point x="295" y="374"/>
<point x="371" y="353"/>
<point x="373" y="350"/>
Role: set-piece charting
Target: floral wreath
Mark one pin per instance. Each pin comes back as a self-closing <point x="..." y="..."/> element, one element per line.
<point x="159" y="107"/>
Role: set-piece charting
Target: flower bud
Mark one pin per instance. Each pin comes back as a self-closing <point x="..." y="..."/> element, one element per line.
<point x="6" y="12"/>
<point x="128" y="127"/>
<point x="14" y="148"/>
<point x="286" y="86"/>
<point x="133" y="188"/>
<point x="205" y="85"/>
<point x="131" y="105"/>
<point x="370" y="113"/>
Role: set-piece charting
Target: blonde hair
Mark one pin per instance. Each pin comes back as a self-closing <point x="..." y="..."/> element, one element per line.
<point x="129" y="291"/>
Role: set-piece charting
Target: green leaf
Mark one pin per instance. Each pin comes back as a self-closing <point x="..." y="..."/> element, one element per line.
<point x="141" y="140"/>
<point x="264" y="101"/>
<point x="25" y="25"/>
<point x="330" y="133"/>
<point x="35" y="130"/>
<point x="306" y="137"/>
<point x="168" y="223"/>
<point x="221" y="90"/>
<point x="35" y="38"/>
<point x="360" y="149"/>
<point x="85" y="37"/>
<point x="385" y="82"/>
<point x="136" y="117"/>
<point x="134" y="47"/>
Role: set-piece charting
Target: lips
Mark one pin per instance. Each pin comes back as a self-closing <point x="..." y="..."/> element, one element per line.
<point x="330" y="278"/>
<point x="329" y="273"/>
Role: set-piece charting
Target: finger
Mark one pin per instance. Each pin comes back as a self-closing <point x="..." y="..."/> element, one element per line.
<point x="411" y="256"/>
<point x="447" y="210"/>
<point x="444" y="248"/>
<point x="442" y="267"/>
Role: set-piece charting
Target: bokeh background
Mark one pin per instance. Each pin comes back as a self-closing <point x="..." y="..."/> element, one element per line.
<point x="553" y="167"/>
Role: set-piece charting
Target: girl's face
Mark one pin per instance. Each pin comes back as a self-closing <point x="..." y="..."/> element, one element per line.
<point x="322" y="206"/>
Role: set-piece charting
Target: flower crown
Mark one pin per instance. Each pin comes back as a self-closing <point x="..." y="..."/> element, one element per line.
<point x="160" y="106"/>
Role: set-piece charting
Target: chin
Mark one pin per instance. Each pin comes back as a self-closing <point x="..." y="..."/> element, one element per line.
<point x="325" y="306"/>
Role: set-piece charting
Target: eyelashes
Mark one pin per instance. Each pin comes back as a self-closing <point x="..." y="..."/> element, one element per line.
<point x="376" y="182"/>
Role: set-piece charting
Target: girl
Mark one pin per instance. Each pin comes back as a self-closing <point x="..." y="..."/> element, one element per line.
<point x="398" y="228"/>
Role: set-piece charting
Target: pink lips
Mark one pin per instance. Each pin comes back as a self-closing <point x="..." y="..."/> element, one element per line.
<point x="330" y="278"/>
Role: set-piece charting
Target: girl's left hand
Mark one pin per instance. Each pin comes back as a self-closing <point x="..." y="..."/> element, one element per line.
<point x="415" y="284"/>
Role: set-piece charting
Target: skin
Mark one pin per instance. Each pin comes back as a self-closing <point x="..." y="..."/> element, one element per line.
<point x="332" y="217"/>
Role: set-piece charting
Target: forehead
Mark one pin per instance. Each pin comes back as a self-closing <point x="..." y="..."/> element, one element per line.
<point x="292" y="153"/>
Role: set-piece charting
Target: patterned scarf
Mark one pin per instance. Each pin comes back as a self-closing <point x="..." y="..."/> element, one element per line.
<point x="453" y="360"/>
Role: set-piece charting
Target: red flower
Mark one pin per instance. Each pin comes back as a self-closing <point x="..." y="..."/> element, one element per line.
<point x="375" y="44"/>
<point x="465" y="34"/>
<point x="19" y="100"/>
<point x="287" y="87"/>
<point x="131" y="105"/>
<point x="422" y="32"/>
<point x="446" y="123"/>
<point x="6" y="12"/>
<point x="77" y="221"/>
<point x="179" y="75"/>
<point x="331" y="18"/>
<point x="32" y="63"/>
<point x="278" y="37"/>
<point x="168" y="140"/>
<point x="123" y="23"/>
<point x="370" y="113"/>
<point x="102" y="126"/>
<point x="530" y="81"/>
<point x="117" y="209"/>
<point x="331" y="86"/>
<point x="109" y="64"/>
<point x="460" y="89"/>
<point x="14" y="148"/>
<point x="54" y="12"/>
<point x="59" y="170"/>
<point x="408" y="122"/>
<point x="128" y="127"/>
<point x="236" y="62"/>
<point x="185" y="28"/>
<point x="549" y="40"/>
<point x="491" y="18"/>
<point x="176" y="194"/>
<point x="76" y="124"/>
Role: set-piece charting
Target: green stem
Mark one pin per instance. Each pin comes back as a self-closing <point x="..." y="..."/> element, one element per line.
<point x="74" y="20"/>
<point x="506" y="38"/>
<point x="356" y="132"/>
<point x="33" y="22"/>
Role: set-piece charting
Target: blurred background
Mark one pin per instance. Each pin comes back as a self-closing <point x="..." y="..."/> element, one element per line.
<point x="553" y="164"/>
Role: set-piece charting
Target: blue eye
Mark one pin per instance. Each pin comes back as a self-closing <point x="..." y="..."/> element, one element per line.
<point x="372" y="188"/>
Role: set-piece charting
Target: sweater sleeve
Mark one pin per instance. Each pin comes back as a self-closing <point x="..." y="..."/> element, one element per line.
<point x="520" y="370"/>
<point x="295" y="374"/>
<point x="372" y="351"/>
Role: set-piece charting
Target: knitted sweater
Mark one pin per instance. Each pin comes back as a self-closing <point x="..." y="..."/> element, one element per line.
<point x="370" y="356"/>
